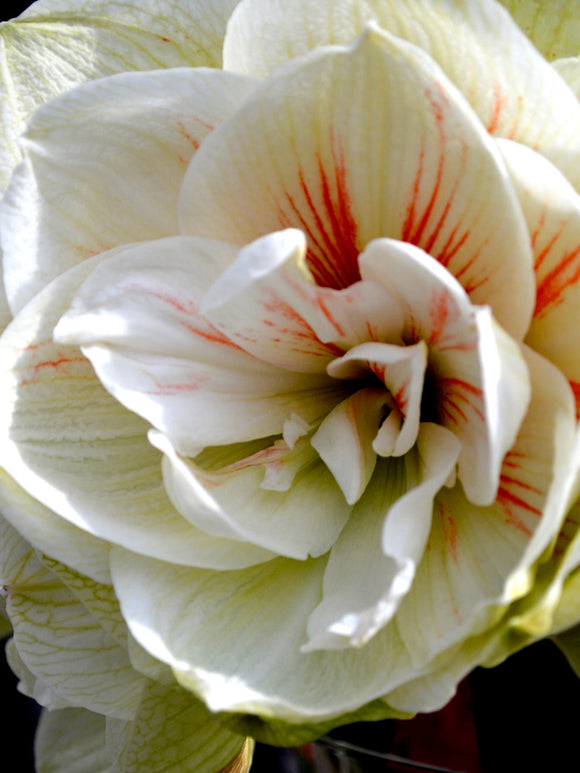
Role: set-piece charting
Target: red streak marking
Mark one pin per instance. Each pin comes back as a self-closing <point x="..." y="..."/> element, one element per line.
<point x="438" y="315"/>
<point x="212" y="334"/>
<point x="576" y="389"/>
<point x="498" y="102"/>
<point x="460" y="383"/>
<point x="416" y="236"/>
<point x="457" y="387"/>
<point x="551" y="288"/>
<point x="546" y="251"/>
<point x="332" y="253"/>
<point x="535" y="234"/>
<point x="444" y="411"/>
<point x="55" y="364"/>
<point x="447" y="254"/>
<point x="322" y="306"/>
<point x="508" y="480"/>
<point x="410" y="219"/>
<point x="401" y="398"/>
<point x="449" y="532"/>
<point x="506" y="498"/>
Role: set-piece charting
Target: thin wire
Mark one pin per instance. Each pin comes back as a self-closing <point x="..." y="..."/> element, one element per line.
<point x="394" y="758"/>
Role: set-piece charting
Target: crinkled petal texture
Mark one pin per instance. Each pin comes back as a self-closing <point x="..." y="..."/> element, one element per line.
<point x="56" y="45"/>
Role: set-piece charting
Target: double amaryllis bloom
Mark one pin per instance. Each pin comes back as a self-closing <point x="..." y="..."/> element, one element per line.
<point x="288" y="399"/>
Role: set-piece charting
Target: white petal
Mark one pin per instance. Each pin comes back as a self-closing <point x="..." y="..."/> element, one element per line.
<point x="60" y="641"/>
<point x="173" y="731"/>
<point x="103" y="166"/>
<point x="477" y="375"/>
<point x="237" y="502"/>
<point x="238" y="646"/>
<point x="71" y="446"/>
<point x="511" y="87"/>
<point x="54" y="46"/>
<point x="72" y="741"/>
<point x="373" y="563"/>
<point x="138" y="321"/>
<point x="481" y="559"/>
<point x="402" y="371"/>
<point x="268" y="304"/>
<point x="344" y="440"/>
<point x="429" y="173"/>
<point x="552" y="210"/>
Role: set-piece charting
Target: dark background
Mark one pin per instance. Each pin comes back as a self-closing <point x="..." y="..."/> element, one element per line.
<point x="523" y="716"/>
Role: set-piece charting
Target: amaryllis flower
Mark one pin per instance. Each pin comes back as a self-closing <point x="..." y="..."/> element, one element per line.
<point x="291" y="377"/>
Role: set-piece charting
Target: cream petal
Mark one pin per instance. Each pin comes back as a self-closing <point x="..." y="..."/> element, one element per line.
<point x="138" y="320"/>
<point x="173" y="731"/>
<point x="552" y="210"/>
<point x="372" y="565"/>
<point x="103" y="166"/>
<point x="429" y="173"/>
<point x="481" y="559"/>
<point x="235" y="502"/>
<point x="477" y="376"/>
<point x="345" y="437"/>
<point x="510" y="86"/>
<point x="55" y="45"/>
<point x="91" y="463"/>
<point x="402" y="371"/>
<point x="72" y="740"/>
<point x="552" y="25"/>
<point x="258" y="667"/>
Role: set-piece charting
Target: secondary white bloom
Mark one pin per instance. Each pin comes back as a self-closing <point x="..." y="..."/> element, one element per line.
<point x="331" y="293"/>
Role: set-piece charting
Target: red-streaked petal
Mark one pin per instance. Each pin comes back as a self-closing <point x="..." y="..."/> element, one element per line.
<point x="479" y="386"/>
<point x="137" y="319"/>
<point x="552" y="210"/>
<point x="429" y="174"/>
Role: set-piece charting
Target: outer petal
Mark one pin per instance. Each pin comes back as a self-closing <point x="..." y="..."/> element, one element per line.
<point x="72" y="741"/>
<point x="569" y="69"/>
<point x="255" y="668"/>
<point x="51" y="534"/>
<point x="56" y="45"/>
<point x="480" y="387"/>
<point x="92" y="463"/>
<point x="137" y="318"/>
<point x="480" y="559"/>
<point x="60" y="641"/>
<point x="373" y="563"/>
<point x="552" y="210"/>
<point x="173" y="731"/>
<point x="552" y="25"/>
<point x="438" y="184"/>
<point x="233" y="501"/>
<point x="515" y="93"/>
<point x="103" y="167"/>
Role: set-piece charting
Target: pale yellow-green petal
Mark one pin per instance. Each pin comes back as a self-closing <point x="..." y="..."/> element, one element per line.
<point x="58" y="638"/>
<point x="71" y="740"/>
<point x="553" y="26"/>
<point x="173" y="731"/>
<point x="59" y="44"/>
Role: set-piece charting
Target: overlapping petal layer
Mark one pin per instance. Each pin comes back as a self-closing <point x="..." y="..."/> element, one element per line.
<point x="102" y="167"/>
<point x="511" y="87"/>
<point x="428" y="174"/>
